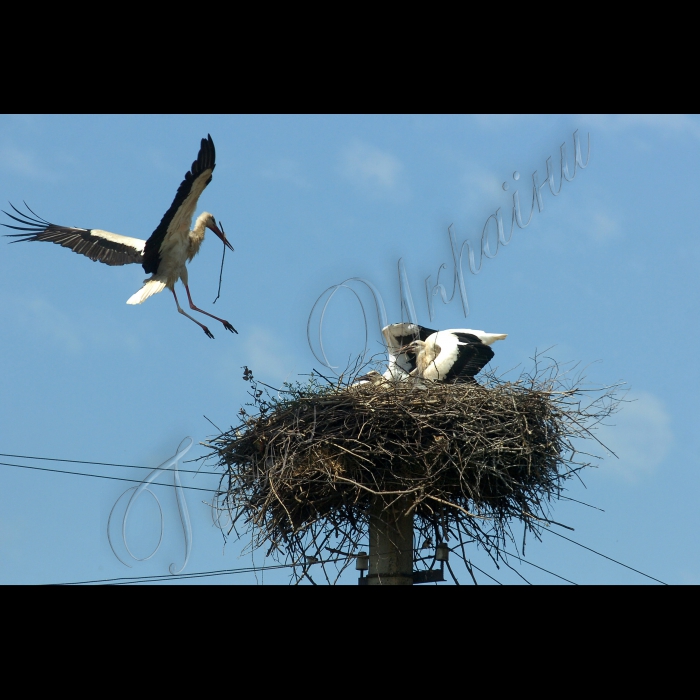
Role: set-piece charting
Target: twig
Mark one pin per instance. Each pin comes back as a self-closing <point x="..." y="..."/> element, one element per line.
<point x="221" y="273"/>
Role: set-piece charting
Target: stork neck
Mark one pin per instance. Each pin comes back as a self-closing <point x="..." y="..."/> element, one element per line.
<point x="197" y="234"/>
<point x="199" y="227"/>
<point x="430" y="352"/>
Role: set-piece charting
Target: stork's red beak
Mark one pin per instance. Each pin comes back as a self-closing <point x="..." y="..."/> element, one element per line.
<point x="219" y="232"/>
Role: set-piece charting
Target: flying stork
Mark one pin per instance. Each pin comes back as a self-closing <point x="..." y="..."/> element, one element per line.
<point x="163" y="255"/>
<point x="452" y="356"/>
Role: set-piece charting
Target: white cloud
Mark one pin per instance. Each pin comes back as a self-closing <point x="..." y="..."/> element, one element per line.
<point x="677" y="124"/>
<point x="592" y="219"/>
<point x="287" y="171"/>
<point x="501" y="121"/>
<point x="163" y="163"/>
<point x="480" y="185"/>
<point x="640" y="435"/>
<point x="372" y="169"/>
<point x="482" y="192"/>
<point x="24" y="163"/>
<point x="55" y="324"/>
<point x="604" y="226"/>
<point x="267" y="358"/>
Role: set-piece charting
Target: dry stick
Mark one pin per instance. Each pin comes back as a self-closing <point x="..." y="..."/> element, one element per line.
<point x="464" y="557"/>
<point x="341" y="426"/>
<point x="454" y="505"/>
<point x="221" y="274"/>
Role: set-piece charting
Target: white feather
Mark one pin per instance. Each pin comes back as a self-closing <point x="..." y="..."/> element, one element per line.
<point x="135" y="243"/>
<point x="150" y="287"/>
<point x="439" y="363"/>
<point x="485" y="338"/>
<point x="441" y="350"/>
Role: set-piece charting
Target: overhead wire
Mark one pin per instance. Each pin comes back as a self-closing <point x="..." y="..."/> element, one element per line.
<point x="472" y="564"/>
<point x="104" y="464"/>
<point x="252" y="569"/>
<point x="510" y="554"/>
<point x="199" y="574"/>
<point x="195" y="488"/>
<point x="605" y="556"/>
<point x="583" y="503"/>
<point x="104" y="476"/>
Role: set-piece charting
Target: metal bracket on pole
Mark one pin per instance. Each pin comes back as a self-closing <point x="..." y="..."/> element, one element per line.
<point x="442" y="554"/>
<point x="429" y="576"/>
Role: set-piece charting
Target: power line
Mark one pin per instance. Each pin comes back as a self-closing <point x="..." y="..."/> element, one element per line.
<point x="200" y="574"/>
<point x="606" y="557"/>
<point x="233" y="571"/>
<point x="193" y="488"/>
<point x="106" y="464"/>
<point x="125" y="580"/>
<point x="223" y="572"/>
<point x="471" y="563"/>
<point x="166" y="577"/>
<point x="583" y="503"/>
<point x="102" y="476"/>
<point x="539" y="567"/>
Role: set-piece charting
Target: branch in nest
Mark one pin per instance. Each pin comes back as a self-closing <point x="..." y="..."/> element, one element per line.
<point x="466" y="459"/>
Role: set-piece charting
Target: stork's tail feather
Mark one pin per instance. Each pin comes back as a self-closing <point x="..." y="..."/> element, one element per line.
<point x="489" y="338"/>
<point x="149" y="288"/>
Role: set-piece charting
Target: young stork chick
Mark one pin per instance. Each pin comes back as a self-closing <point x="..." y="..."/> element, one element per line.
<point x="372" y="377"/>
<point x="396" y="336"/>
<point x="454" y="356"/>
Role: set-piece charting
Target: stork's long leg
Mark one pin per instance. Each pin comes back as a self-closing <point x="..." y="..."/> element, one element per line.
<point x="227" y="325"/>
<point x="206" y="330"/>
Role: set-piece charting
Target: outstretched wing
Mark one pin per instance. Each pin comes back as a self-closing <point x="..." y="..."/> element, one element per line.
<point x="179" y="216"/>
<point x="102" y="246"/>
<point x="396" y="335"/>
<point x="472" y="357"/>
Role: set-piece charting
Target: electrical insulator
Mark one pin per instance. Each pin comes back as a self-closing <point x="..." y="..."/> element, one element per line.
<point x="442" y="552"/>
<point x="362" y="561"/>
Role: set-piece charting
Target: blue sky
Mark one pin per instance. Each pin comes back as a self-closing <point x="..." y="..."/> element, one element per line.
<point x="605" y="275"/>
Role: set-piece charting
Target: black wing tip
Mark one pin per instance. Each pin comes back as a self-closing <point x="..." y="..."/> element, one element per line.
<point x="206" y="158"/>
<point x="28" y="231"/>
<point x="30" y="224"/>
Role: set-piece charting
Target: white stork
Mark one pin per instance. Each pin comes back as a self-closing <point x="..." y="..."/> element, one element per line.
<point x="163" y="255"/>
<point x="396" y="336"/>
<point x="455" y="355"/>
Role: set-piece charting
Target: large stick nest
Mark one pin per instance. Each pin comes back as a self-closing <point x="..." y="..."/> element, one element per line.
<point x="465" y="459"/>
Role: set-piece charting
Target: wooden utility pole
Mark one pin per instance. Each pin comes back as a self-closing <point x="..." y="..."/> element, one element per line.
<point x="390" y="544"/>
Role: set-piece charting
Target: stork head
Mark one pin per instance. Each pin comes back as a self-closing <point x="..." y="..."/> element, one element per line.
<point x="412" y="348"/>
<point x="210" y="223"/>
<point x="371" y="376"/>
